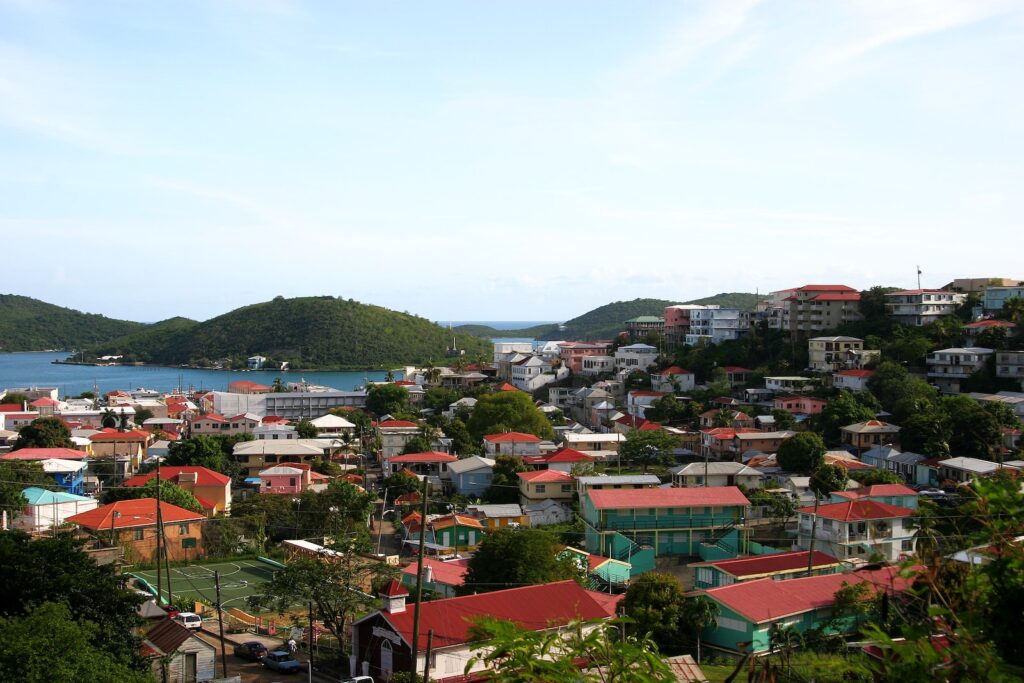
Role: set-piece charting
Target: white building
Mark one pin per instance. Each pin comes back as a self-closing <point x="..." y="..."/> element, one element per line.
<point x="948" y="367"/>
<point x="673" y="380"/>
<point x="828" y="354"/>
<point x="788" y="384"/>
<point x="46" y="509"/>
<point x="919" y="307"/>
<point x="716" y="325"/>
<point x="635" y="357"/>
<point x="859" y="530"/>
<point x="1010" y="365"/>
<point x="597" y="365"/>
<point x="533" y="372"/>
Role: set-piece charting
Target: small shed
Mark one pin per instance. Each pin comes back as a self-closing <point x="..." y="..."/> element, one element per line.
<point x="178" y="655"/>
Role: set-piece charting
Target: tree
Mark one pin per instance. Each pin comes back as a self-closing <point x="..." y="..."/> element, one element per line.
<point x="843" y="409"/>
<point x="15" y="476"/>
<point x="55" y="570"/>
<point x="657" y="605"/>
<point x="802" y="453"/>
<point x="927" y="432"/>
<point x="109" y="419"/>
<point x="335" y="587"/>
<point x="513" y="410"/>
<point x="784" y="419"/>
<point x="387" y="399"/>
<point x="141" y="415"/>
<point x="15" y="398"/>
<point x="48" y="644"/>
<point x="670" y="410"/>
<point x="44" y="432"/>
<point x="700" y="614"/>
<point x="306" y="429"/>
<point x="513" y="654"/>
<point x="824" y="479"/>
<point x="780" y="506"/>
<point x="648" y="447"/>
<point x="170" y="493"/>
<point x="504" y="486"/>
<point x="509" y="558"/>
<point x="974" y="431"/>
<point x="202" y="451"/>
<point x="439" y="398"/>
<point x="873" y="477"/>
<point x="399" y="484"/>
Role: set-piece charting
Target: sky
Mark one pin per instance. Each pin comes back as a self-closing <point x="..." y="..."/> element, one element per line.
<point x="502" y="161"/>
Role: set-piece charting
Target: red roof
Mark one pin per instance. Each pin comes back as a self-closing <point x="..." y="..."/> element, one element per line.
<point x="44" y="454"/>
<point x="704" y="496"/>
<point x="825" y="288"/>
<point x="980" y="325"/>
<point x="450" y="573"/>
<point x="212" y="417"/>
<point x="432" y="456"/>
<point x="730" y="369"/>
<point x="545" y="475"/>
<point x="203" y="476"/>
<point x="274" y="419"/>
<point x="395" y="589"/>
<point x="859" y="510"/>
<point x="838" y="297"/>
<point x="114" y="435"/>
<point x="11" y="408"/>
<point x="876" y="490"/>
<point x="567" y="455"/>
<point x="395" y="424"/>
<point x="674" y="370"/>
<point x="531" y="607"/>
<point x="133" y="513"/>
<point x="767" y="600"/>
<point x="649" y="426"/>
<point x="44" y="401"/>
<point x="507" y="387"/>
<point x="856" y="373"/>
<point x="512" y="437"/>
<point x="769" y="564"/>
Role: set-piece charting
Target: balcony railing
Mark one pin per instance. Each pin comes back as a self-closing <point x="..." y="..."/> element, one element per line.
<point x="672" y="522"/>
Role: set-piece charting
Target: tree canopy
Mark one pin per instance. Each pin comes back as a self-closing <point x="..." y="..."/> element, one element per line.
<point x="170" y="493"/>
<point x="387" y="399"/>
<point x="844" y="409"/>
<point x="801" y="453"/>
<point x="44" y="432"/>
<point x="508" y="411"/>
<point x="648" y="448"/>
<point x="656" y="604"/>
<point x="504" y="486"/>
<point x="508" y="558"/>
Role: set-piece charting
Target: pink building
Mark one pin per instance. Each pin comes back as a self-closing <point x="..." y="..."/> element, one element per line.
<point x="803" y="405"/>
<point x="291" y="477"/>
<point x="573" y="353"/>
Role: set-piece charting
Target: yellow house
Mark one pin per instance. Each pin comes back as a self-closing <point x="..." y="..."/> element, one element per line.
<point x="541" y="485"/>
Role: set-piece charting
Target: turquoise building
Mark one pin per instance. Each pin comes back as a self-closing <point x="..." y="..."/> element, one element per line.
<point x="637" y="525"/>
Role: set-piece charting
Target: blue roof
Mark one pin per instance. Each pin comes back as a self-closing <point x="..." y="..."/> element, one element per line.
<point x="37" y="496"/>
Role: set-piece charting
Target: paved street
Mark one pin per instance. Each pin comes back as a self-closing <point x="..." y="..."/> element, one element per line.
<point x="253" y="672"/>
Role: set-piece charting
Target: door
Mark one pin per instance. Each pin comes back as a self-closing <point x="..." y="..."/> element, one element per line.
<point x="190" y="668"/>
<point x="385" y="660"/>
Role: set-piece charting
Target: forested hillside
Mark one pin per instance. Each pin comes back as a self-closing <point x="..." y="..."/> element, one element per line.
<point x="309" y="332"/>
<point x="28" y="324"/>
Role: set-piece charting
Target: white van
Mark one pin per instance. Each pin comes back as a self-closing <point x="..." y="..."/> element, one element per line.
<point x="189" y="620"/>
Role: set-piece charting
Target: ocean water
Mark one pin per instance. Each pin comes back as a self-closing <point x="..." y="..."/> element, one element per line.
<point x="499" y="324"/>
<point x="37" y="369"/>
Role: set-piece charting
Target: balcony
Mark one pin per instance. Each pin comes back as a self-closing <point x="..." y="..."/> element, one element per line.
<point x="670" y="522"/>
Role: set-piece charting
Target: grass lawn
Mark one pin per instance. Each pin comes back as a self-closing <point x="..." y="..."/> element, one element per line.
<point x="195" y="582"/>
<point x="717" y="673"/>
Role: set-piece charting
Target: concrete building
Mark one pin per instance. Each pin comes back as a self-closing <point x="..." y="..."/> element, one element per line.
<point x="716" y="325"/>
<point x="816" y="308"/>
<point x="997" y="296"/>
<point x="947" y="368"/>
<point x="868" y="434"/>
<point x="643" y="325"/>
<point x="715" y="474"/>
<point x="1010" y="365"/>
<point x="919" y="307"/>
<point x="829" y="354"/>
<point x="635" y="357"/>
<point x="677" y="323"/>
<point x="859" y="529"/>
<point x="297" y="405"/>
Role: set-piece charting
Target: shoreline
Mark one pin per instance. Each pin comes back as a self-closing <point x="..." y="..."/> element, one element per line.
<point x="214" y="369"/>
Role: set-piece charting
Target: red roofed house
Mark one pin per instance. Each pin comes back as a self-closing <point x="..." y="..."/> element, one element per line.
<point x="563" y="460"/>
<point x="859" y="530"/>
<point x="394" y="434"/>
<point x="973" y="330"/>
<point x="637" y="524"/>
<point x="799" y="405"/>
<point x="291" y="477"/>
<point x="176" y="653"/>
<point x="382" y="641"/>
<point x="45" y="406"/>
<point x="441" y="577"/>
<point x="133" y="525"/>
<point x="749" y="610"/>
<point x="673" y="380"/>
<point x="637" y="402"/>
<point x="736" y="375"/>
<point x="127" y="449"/>
<point x="721" y="443"/>
<point x="212" y="489"/>
<point x="725" y="417"/>
<point x="776" y="566"/>
<point x="511" y="443"/>
<point x="45" y="454"/>
<point x="853" y="380"/>
<point x="541" y="485"/>
<point x="890" y="494"/>
<point x="244" y="386"/>
<point x="815" y="308"/>
<point x="430" y="464"/>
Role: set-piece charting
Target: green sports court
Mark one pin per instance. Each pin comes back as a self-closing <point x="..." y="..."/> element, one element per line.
<point x="195" y="582"/>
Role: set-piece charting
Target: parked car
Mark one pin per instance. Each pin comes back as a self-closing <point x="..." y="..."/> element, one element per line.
<point x="189" y="620"/>
<point x="281" y="661"/>
<point x="359" y="679"/>
<point x="252" y="650"/>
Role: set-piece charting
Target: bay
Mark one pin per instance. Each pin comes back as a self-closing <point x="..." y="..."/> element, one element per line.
<point x="37" y="369"/>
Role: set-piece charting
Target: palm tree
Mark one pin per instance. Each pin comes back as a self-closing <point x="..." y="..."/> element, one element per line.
<point x="700" y="614"/>
<point x="825" y="479"/>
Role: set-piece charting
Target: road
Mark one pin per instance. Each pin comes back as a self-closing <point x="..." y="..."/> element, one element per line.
<point x="253" y="672"/>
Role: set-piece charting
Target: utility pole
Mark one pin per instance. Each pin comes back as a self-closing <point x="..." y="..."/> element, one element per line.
<point x="159" y="534"/>
<point x="426" y="664"/>
<point x="220" y="620"/>
<point x="383" y="508"/>
<point x="419" y="579"/>
<point x="311" y="637"/>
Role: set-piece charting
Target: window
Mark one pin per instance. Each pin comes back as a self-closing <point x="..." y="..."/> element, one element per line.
<point x="704" y="574"/>
<point x="188" y="543"/>
<point x="183" y="529"/>
<point x="540" y="488"/>
<point x="731" y="624"/>
<point x="138" y="534"/>
<point x="291" y="481"/>
<point x="566" y="488"/>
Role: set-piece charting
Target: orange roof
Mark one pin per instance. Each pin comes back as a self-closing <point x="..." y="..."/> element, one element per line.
<point x="114" y="435"/>
<point x="452" y="520"/>
<point x="203" y="476"/>
<point x="512" y="437"/>
<point x="507" y="387"/>
<point x="389" y="424"/>
<point x="133" y="513"/>
<point x="432" y="456"/>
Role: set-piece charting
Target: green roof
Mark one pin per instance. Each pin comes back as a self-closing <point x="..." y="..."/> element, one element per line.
<point x="646" y="319"/>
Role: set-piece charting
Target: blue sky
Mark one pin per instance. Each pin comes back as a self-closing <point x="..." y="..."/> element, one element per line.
<point x="523" y="161"/>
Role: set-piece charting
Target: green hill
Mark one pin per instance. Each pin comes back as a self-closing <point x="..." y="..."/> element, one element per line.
<point x="28" y="324"/>
<point x="308" y="333"/>
<point x="605" y="322"/>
